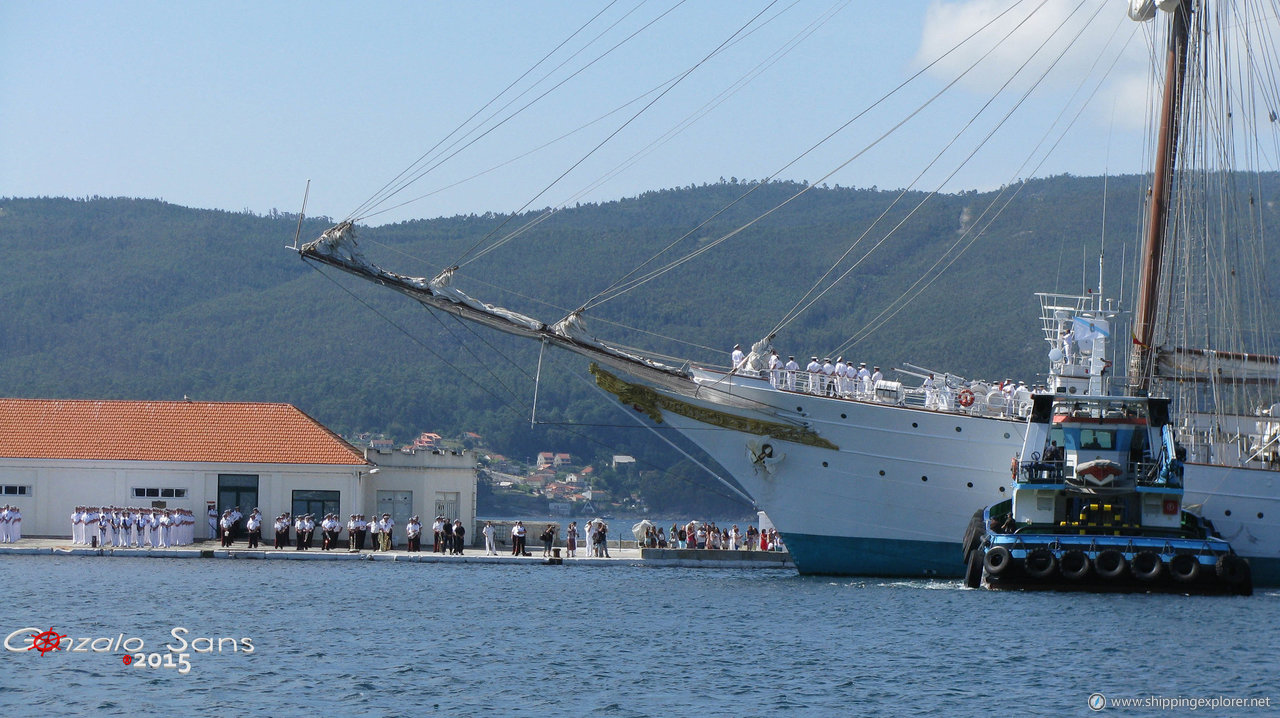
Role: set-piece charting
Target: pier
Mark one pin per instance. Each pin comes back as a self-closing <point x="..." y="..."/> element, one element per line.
<point x="624" y="555"/>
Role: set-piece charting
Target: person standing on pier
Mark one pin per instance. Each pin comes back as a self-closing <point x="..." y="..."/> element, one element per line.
<point x="254" y="526"/>
<point x="413" y="533"/>
<point x="517" y="539"/>
<point x="384" y="532"/>
<point x="604" y="539"/>
<point x="459" y="537"/>
<point x="571" y="538"/>
<point x="490" y="548"/>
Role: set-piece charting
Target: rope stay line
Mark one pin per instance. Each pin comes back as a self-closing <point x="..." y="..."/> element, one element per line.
<point x="461" y="262"/>
<point x="621" y="288"/>
<point x="982" y="223"/>
<point x="799" y="309"/>
<point x="681" y="126"/>
<point x="385" y="191"/>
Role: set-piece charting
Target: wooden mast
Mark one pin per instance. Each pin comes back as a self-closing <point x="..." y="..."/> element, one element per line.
<point x="1140" y="369"/>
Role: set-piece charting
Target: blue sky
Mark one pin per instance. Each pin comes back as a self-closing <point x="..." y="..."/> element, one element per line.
<point x="235" y="105"/>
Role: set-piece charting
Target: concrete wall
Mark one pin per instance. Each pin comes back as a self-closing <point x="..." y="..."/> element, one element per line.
<point x="426" y="474"/>
<point x="58" y="486"/>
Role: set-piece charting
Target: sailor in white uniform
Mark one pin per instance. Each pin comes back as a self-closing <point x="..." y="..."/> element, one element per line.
<point x="775" y="369"/>
<point x="792" y="367"/>
<point x="876" y="378"/>
<point x="165" y="530"/>
<point x="815" y="371"/>
<point x="930" y="393"/>
<point x="738" y="358"/>
<point x="5" y="518"/>
<point x="828" y="377"/>
<point x="864" y="378"/>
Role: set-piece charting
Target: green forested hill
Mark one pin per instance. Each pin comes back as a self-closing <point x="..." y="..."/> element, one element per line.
<point x="129" y="298"/>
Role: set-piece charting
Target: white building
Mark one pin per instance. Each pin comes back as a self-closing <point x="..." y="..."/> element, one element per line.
<point x="59" y="454"/>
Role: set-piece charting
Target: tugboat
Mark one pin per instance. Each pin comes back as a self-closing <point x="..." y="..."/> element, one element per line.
<point x="1097" y="506"/>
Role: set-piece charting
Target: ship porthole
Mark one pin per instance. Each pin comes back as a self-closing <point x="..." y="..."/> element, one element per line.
<point x="799" y="408"/>
<point x="1259" y="514"/>
<point x="844" y="416"/>
<point x="1006" y="434"/>
<point x="969" y="484"/>
<point x="1227" y="512"/>
<point x="914" y="425"/>
<point x="957" y="429"/>
<point x="824" y="464"/>
<point x="882" y="472"/>
<point x="924" y="478"/>
<point x="1002" y="489"/>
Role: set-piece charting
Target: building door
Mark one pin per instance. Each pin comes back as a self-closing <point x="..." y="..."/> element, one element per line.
<point x="237" y="490"/>
<point x="400" y="505"/>
<point x="447" y="505"/>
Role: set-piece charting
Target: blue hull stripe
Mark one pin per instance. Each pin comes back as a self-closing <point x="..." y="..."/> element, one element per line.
<point x="853" y="556"/>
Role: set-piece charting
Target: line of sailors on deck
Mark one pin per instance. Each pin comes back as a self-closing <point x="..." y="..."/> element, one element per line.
<point x="824" y="378"/>
<point x="841" y="378"/>
<point x="132" y="527"/>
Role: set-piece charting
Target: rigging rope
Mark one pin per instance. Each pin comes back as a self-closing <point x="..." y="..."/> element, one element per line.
<point x="619" y="288"/>
<point x="620" y="128"/>
<point x="385" y="191"/>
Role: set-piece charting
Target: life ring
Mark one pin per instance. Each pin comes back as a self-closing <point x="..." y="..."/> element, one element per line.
<point x="1146" y="566"/>
<point x="1110" y="564"/>
<point x="997" y="560"/>
<point x="966" y="398"/>
<point x="1040" y="563"/>
<point x="1184" y="568"/>
<point x="1074" y="565"/>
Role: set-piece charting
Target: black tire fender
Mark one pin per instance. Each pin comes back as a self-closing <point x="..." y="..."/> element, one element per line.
<point x="1110" y="564"/>
<point x="1040" y="563"/>
<point x="1146" y="566"/>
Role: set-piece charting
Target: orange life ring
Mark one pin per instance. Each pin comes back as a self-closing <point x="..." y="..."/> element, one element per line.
<point x="966" y="398"/>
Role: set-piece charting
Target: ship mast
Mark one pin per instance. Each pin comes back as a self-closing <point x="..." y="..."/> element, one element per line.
<point x="1157" y="223"/>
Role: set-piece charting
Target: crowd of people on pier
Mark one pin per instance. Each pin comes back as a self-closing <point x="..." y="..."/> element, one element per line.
<point x="132" y="527"/>
<point x="703" y="535"/>
<point x="111" y="526"/>
<point x="10" y="524"/>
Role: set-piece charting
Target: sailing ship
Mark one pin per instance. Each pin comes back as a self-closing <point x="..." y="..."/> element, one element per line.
<point x="880" y="479"/>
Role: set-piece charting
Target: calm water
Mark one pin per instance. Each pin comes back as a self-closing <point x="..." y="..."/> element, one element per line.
<point x="378" y="638"/>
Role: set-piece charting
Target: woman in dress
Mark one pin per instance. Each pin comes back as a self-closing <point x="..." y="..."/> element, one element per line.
<point x="571" y="538"/>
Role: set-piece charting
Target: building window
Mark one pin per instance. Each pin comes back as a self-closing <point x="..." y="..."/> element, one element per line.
<point x="13" y="490"/>
<point x="149" y="493"/>
<point x="316" y="502"/>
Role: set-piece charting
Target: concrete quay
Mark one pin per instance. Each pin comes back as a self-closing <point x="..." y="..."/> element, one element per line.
<point x="630" y="556"/>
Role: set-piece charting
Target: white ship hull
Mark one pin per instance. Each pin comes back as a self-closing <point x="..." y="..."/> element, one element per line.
<point x="896" y="495"/>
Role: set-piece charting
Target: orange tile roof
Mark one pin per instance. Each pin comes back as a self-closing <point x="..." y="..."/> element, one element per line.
<point x="225" y="432"/>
